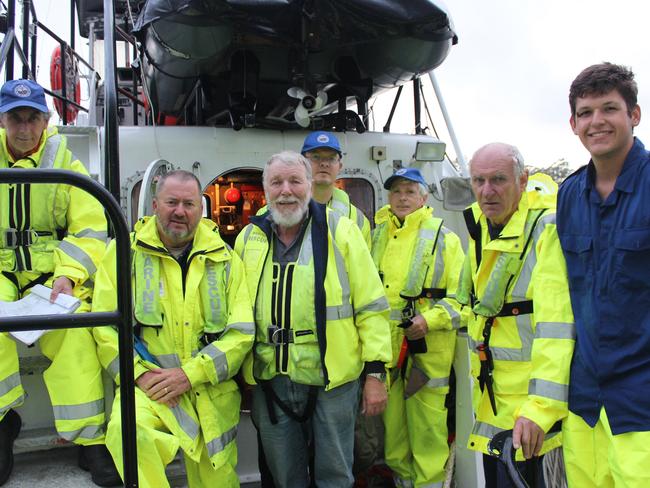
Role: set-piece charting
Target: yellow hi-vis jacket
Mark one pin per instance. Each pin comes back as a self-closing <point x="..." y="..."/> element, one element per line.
<point x="209" y="412"/>
<point x="49" y="228"/>
<point x="340" y="203"/>
<point x="531" y="351"/>
<point x="329" y="304"/>
<point x="421" y="258"/>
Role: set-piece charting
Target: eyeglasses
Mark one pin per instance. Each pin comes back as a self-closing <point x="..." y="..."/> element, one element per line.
<point x="318" y="158"/>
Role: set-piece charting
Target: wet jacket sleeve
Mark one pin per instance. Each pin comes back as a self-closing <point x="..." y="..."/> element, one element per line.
<point x="221" y="359"/>
<point x="446" y="314"/>
<point x="554" y="338"/>
<point x="105" y="300"/>
<point x="81" y="250"/>
<point x="371" y="310"/>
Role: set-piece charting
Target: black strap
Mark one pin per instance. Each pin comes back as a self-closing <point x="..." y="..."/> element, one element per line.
<point x="433" y="293"/>
<point x="511" y="309"/>
<point x="272" y="398"/>
<point x="474" y="230"/>
<point x="38" y="281"/>
<point x="319" y="239"/>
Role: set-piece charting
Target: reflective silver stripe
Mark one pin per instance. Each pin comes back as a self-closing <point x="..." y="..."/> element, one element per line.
<point x="247" y="233"/>
<point x="360" y="217"/>
<point x="500" y="353"/>
<point x="79" y="411"/>
<point x="247" y="328"/>
<point x="88" y="432"/>
<point x="215" y="446"/>
<point x="548" y="389"/>
<point x="454" y="316"/>
<point x="49" y="152"/>
<point x="378" y="305"/>
<point x="423" y="244"/>
<point x="438" y="382"/>
<point x="555" y="330"/>
<point x="509" y="354"/>
<point x="218" y="359"/>
<point x="78" y="255"/>
<point x="113" y="368"/>
<point x="189" y="426"/>
<point x="439" y="265"/>
<point x="344" y="310"/>
<point x="93" y="234"/>
<point x="338" y="312"/>
<point x="306" y="249"/>
<point x="16" y="403"/>
<point x="9" y="383"/>
<point x="340" y="207"/>
<point x="484" y="429"/>
<point x="395" y="314"/>
<point x="526" y="334"/>
<point x="168" y="360"/>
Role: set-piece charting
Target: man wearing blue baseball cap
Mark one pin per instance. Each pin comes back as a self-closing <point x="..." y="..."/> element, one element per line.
<point x="323" y="150"/>
<point x="419" y="261"/>
<point x="54" y="235"/>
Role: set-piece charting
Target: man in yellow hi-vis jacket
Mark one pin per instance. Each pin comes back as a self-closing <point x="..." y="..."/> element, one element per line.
<point x="323" y="150"/>
<point x="521" y="326"/>
<point x="54" y="235"/>
<point x="420" y="262"/>
<point x="321" y="322"/>
<point x="194" y="325"/>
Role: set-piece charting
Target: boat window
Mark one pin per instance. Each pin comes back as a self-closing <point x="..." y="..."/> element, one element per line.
<point x="362" y="195"/>
<point x="234" y="198"/>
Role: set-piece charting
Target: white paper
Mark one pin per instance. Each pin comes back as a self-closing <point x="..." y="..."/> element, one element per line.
<point x="37" y="303"/>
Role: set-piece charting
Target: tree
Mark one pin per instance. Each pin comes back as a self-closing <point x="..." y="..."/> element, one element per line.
<point x="559" y="170"/>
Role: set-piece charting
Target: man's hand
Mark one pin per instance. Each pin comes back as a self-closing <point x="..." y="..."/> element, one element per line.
<point x="61" y="285"/>
<point x="164" y="385"/>
<point x="527" y="435"/>
<point x="375" y="397"/>
<point x="418" y="330"/>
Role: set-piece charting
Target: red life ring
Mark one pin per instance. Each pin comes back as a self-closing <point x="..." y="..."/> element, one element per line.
<point x="71" y="79"/>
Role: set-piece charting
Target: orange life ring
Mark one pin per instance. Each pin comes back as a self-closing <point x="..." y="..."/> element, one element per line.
<point x="71" y="79"/>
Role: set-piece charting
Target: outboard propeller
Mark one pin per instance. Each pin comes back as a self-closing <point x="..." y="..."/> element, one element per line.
<point x="307" y="104"/>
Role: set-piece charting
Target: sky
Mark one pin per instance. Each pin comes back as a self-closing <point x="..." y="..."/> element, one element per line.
<point x="508" y="77"/>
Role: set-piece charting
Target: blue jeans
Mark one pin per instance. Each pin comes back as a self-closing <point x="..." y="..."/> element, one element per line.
<point x="330" y="430"/>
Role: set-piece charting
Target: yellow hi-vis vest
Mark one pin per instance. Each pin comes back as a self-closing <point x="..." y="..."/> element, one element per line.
<point x="28" y="237"/>
<point x="425" y="246"/>
<point x="212" y="293"/>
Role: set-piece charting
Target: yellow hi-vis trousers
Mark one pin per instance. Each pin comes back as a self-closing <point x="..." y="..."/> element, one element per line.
<point x="415" y="441"/>
<point x="595" y="457"/>
<point x="157" y="448"/>
<point x="73" y="380"/>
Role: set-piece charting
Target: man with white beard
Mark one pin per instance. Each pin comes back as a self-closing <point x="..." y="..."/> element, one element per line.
<point x="321" y="321"/>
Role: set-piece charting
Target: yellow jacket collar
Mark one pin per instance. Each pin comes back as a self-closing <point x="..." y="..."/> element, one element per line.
<point x="36" y="156"/>
<point x="206" y="238"/>
<point x="413" y="219"/>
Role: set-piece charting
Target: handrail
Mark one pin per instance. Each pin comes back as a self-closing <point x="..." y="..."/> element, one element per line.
<point x="122" y="318"/>
<point x="111" y="148"/>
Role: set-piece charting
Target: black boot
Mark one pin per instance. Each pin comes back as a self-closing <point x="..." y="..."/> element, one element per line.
<point x="9" y="429"/>
<point x="99" y="462"/>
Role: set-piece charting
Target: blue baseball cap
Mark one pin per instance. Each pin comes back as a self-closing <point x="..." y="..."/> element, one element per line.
<point x="321" y="138"/>
<point x="412" y="174"/>
<point x="22" y="93"/>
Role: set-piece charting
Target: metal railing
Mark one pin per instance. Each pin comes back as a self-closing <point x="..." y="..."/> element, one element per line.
<point x="122" y="317"/>
<point x="30" y="27"/>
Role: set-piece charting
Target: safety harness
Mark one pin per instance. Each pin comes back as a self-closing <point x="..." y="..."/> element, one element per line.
<point x="493" y="303"/>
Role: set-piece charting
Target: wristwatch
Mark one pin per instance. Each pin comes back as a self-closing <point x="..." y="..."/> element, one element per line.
<point x="378" y="376"/>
